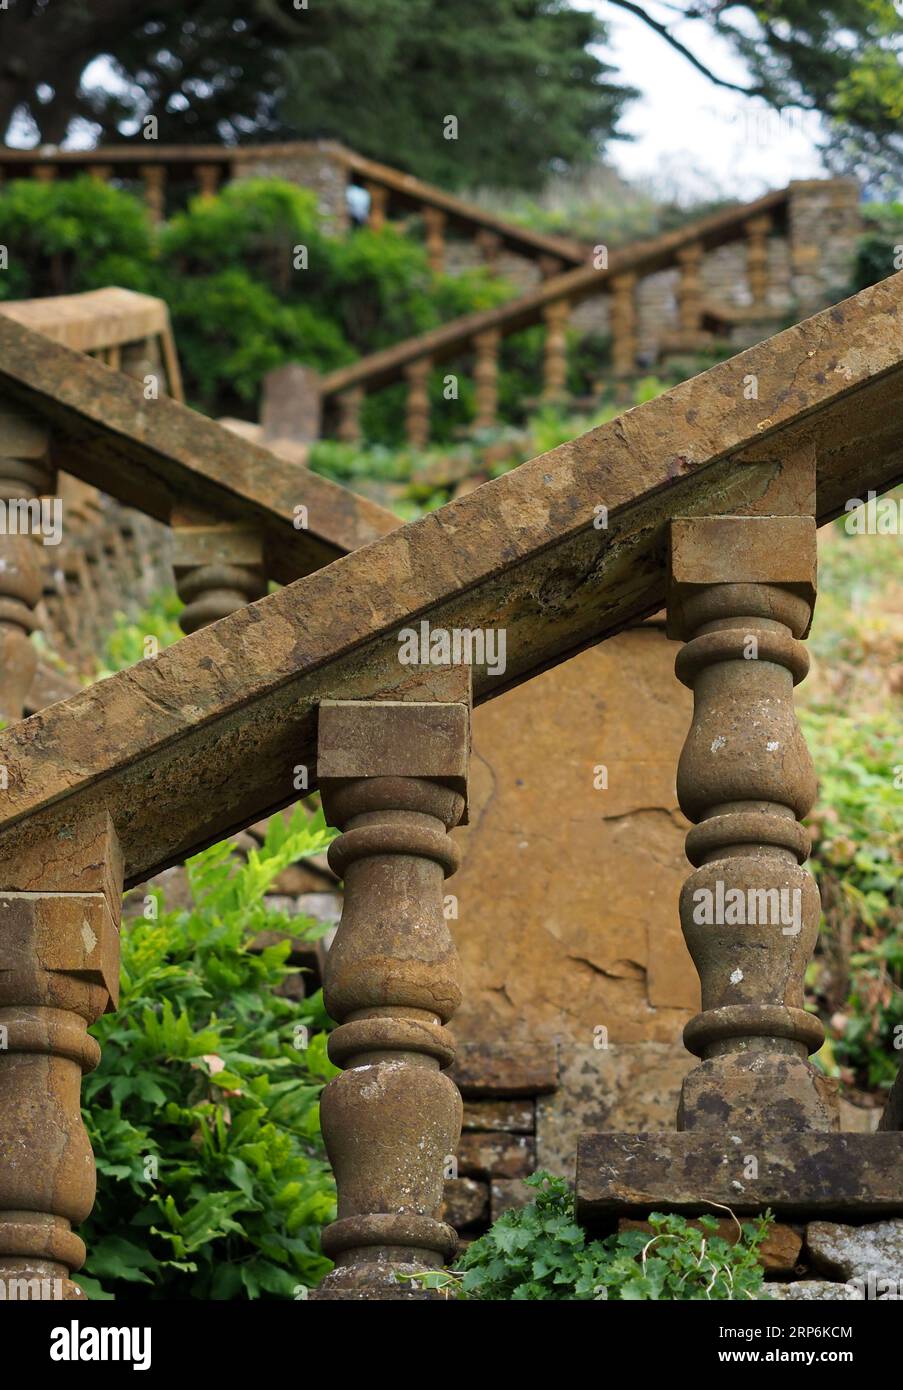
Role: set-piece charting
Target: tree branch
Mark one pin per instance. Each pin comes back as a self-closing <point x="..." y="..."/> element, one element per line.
<point x="663" y="31"/>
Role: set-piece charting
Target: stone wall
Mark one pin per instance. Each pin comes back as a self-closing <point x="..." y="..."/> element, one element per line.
<point x="313" y="167"/>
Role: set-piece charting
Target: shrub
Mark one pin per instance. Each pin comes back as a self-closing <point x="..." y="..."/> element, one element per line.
<point x="232" y="330"/>
<point x="539" y="1252"/>
<point x="72" y="235"/>
<point x="877" y="254"/>
<point x="203" y="1112"/>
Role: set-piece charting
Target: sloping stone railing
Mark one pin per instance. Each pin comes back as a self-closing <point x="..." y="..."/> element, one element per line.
<point x="818" y="219"/>
<point x="162" y="172"/>
<point x="711" y="499"/>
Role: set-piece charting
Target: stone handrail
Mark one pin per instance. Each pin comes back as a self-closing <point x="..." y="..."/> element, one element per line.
<point x="617" y="274"/>
<point x="710" y="498"/>
<point x="207" y="167"/>
<point x="124" y="329"/>
<point x="240" y="514"/>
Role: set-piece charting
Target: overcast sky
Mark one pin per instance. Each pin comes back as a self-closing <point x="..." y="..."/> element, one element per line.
<point x="687" y="130"/>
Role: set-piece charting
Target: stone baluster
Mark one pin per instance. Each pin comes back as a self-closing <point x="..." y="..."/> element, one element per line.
<point x="434" y="220"/>
<point x="101" y="172"/>
<point x="741" y="595"/>
<point x="417" y="414"/>
<point x="207" y="176"/>
<point x="490" y="244"/>
<point x="25" y="474"/>
<point x="379" y="203"/>
<point x="623" y="325"/>
<point x="757" y="231"/>
<point x="486" y="377"/>
<point x="219" y="568"/>
<point x="154" y="176"/>
<point x="349" y="406"/>
<point x="689" y="291"/>
<point x="549" y="266"/>
<point x="555" y="350"/>
<point x="59" y="971"/>
<point x="394" y="779"/>
<point x="44" y="173"/>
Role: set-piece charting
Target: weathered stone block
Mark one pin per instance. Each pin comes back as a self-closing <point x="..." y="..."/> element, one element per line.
<point x="509" y="1194"/>
<point x="627" y="1086"/>
<point x="505" y="1069"/>
<point x="511" y="1116"/>
<point x="496" y="1155"/>
<point x="854" y="1252"/>
<point x="464" y="1203"/>
<point x="813" y="1291"/>
<point x="799" y="1176"/>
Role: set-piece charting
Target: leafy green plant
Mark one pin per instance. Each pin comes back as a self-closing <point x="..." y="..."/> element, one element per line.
<point x="877" y="254"/>
<point x="540" y="1252"/>
<point x="127" y="640"/>
<point x="72" y="235"/>
<point x="858" y="861"/>
<point x="203" y="1112"/>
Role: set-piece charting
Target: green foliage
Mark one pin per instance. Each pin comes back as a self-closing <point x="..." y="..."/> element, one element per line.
<point x="840" y="58"/>
<point x="203" y="1113"/>
<point x="126" y="642"/>
<point x="383" y="75"/>
<point x="878" y="253"/>
<point x="72" y="235"/>
<point x="858" y="861"/>
<point x="539" y="1252"/>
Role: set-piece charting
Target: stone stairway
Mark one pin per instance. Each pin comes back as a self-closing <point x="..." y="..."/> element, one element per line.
<point x="711" y="499"/>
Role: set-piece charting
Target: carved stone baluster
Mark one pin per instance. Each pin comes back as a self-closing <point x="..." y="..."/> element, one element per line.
<point x="490" y="244"/>
<point x="486" y="377"/>
<point x="219" y="568"/>
<point x="757" y="230"/>
<point x="43" y="173"/>
<point x="689" y="291"/>
<point x="394" y="779"/>
<point x="349" y="405"/>
<point x="555" y="354"/>
<point x="434" y="220"/>
<point x="623" y="325"/>
<point x="101" y="172"/>
<point x="207" y="176"/>
<point x="379" y="203"/>
<point x="154" y="176"/>
<point x="59" y="971"/>
<point x="417" y="414"/>
<point x="25" y="474"/>
<point x="741" y="593"/>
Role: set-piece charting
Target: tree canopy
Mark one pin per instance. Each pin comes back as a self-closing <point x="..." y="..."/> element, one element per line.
<point x="523" y="79"/>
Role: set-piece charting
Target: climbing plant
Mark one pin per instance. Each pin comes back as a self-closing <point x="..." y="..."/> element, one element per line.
<point x="203" y="1112"/>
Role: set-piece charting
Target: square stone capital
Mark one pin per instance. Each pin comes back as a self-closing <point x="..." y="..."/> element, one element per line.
<point x="69" y="933"/>
<point x="712" y="550"/>
<point x="214" y="544"/>
<point x="79" y="857"/>
<point x="393" y="739"/>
